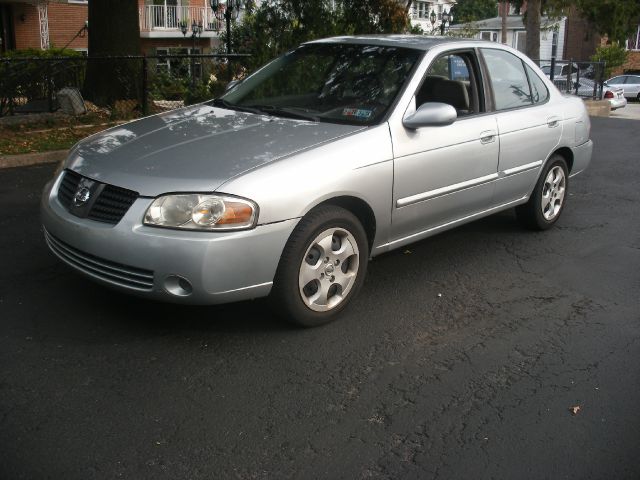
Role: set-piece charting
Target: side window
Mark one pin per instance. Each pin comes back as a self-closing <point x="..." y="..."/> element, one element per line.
<point x="453" y="79"/>
<point x="539" y="92"/>
<point x="616" y="81"/>
<point x="508" y="79"/>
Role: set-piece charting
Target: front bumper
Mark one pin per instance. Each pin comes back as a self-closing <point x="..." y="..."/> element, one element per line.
<point x="172" y="265"/>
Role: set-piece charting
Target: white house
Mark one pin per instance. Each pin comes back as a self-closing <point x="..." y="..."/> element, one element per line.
<point x="491" y="29"/>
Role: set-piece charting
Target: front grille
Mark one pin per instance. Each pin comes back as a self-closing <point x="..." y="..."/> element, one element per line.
<point x="68" y="188"/>
<point x="110" y="205"/>
<point x="111" y="272"/>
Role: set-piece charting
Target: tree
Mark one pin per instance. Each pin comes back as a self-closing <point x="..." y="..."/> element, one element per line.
<point x="613" y="55"/>
<point x="113" y="30"/>
<point x="615" y="18"/>
<point x="532" y="27"/>
<point x="276" y="26"/>
<point x="465" y="11"/>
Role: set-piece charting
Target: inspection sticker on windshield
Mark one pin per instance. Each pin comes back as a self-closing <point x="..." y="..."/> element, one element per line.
<point x="357" y="112"/>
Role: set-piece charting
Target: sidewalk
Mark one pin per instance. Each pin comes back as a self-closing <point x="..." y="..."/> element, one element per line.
<point x="631" y="112"/>
<point x="10" y="161"/>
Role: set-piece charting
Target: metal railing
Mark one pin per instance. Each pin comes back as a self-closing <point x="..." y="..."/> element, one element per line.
<point x="166" y="17"/>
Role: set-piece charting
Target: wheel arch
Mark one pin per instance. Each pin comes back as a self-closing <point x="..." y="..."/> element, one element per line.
<point x="361" y="209"/>
<point x="567" y="154"/>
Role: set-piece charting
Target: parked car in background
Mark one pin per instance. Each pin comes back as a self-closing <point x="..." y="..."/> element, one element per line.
<point x="615" y="94"/>
<point x="629" y="83"/>
<point x="337" y="151"/>
<point x="560" y="72"/>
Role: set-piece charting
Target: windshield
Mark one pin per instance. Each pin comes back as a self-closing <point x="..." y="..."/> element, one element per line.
<point x="341" y="83"/>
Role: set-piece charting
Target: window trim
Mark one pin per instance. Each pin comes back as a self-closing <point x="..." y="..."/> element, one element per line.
<point x="526" y="72"/>
<point x="490" y="84"/>
<point x="475" y="76"/>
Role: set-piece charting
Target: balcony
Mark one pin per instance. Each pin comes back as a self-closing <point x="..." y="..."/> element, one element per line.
<point x="160" y="21"/>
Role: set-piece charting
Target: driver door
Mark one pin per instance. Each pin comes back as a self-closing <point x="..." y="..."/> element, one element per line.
<point x="445" y="173"/>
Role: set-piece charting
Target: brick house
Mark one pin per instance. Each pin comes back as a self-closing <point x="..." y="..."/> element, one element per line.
<point x="58" y="23"/>
<point x="42" y="24"/>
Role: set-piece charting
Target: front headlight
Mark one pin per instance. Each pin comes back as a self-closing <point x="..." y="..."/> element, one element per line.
<point x="201" y="212"/>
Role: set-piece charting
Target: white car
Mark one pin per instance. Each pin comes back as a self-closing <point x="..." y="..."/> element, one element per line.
<point x="629" y="83"/>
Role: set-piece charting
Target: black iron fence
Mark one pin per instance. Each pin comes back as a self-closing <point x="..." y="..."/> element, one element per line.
<point x="128" y="86"/>
<point x="584" y="79"/>
<point x="142" y="85"/>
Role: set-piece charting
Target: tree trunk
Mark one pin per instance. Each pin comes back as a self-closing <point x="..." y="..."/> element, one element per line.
<point x="113" y="30"/>
<point x="504" y="11"/>
<point x="532" y="27"/>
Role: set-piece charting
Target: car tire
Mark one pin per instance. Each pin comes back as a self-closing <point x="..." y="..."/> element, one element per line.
<point x="322" y="267"/>
<point x="548" y="197"/>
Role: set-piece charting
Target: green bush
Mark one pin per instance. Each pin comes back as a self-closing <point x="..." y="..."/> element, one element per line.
<point x="614" y="55"/>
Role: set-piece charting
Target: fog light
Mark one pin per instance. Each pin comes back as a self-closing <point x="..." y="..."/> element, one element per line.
<point x="178" y="286"/>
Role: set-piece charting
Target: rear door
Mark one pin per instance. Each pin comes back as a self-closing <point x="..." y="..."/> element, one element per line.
<point x="529" y="127"/>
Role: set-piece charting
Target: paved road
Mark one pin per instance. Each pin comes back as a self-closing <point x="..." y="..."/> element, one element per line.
<point x="476" y="383"/>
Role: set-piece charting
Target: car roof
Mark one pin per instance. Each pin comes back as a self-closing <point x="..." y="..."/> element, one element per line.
<point x="418" y="42"/>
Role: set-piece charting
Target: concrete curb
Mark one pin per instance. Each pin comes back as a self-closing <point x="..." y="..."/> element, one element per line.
<point x="598" y="108"/>
<point x="11" y="161"/>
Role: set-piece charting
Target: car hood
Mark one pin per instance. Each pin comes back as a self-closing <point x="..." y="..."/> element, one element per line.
<point x="194" y="149"/>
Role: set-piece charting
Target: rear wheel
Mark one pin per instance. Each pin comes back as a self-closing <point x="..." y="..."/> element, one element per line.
<point x="322" y="267"/>
<point x="548" y="198"/>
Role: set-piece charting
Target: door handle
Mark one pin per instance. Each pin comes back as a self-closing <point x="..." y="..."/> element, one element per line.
<point x="553" y="122"/>
<point x="488" y="136"/>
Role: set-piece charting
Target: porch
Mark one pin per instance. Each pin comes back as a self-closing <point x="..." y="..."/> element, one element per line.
<point x="166" y="21"/>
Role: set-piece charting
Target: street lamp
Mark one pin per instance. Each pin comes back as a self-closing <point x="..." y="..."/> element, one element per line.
<point x="445" y="18"/>
<point x="225" y="10"/>
<point x="196" y="31"/>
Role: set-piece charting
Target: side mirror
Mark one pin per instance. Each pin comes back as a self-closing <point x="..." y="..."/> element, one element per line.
<point x="231" y="85"/>
<point x="431" y="114"/>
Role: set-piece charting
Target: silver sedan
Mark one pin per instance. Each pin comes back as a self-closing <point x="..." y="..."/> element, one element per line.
<point x="338" y="151"/>
<point x="629" y="83"/>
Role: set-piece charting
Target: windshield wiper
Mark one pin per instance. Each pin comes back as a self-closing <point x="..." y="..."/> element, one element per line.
<point x="220" y="102"/>
<point x="285" y="112"/>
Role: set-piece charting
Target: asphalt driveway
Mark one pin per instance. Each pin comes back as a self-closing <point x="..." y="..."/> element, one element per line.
<point x="462" y="358"/>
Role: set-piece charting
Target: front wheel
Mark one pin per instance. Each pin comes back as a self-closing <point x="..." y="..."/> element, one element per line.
<point x="322" y="267"/>
<point x="548" y="198"/>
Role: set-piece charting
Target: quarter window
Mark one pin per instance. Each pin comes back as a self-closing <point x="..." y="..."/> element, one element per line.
<point x="539" y="92"/>
<point x="508" y="79"/>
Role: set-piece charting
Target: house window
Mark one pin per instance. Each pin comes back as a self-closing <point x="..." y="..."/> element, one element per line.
<point x="423" y="10"/>
<point x="440" y="9"/>
<point x="490" y="36"/>
<point x="178" y="67"/>
<point x="521" y="41"/>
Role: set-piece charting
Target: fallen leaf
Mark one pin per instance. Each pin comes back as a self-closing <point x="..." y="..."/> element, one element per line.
<point x="575" y="409"/>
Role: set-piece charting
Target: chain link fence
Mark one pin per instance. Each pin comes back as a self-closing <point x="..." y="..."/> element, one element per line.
<point x="584" y="79"/>
<point x="122" y="86"/>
